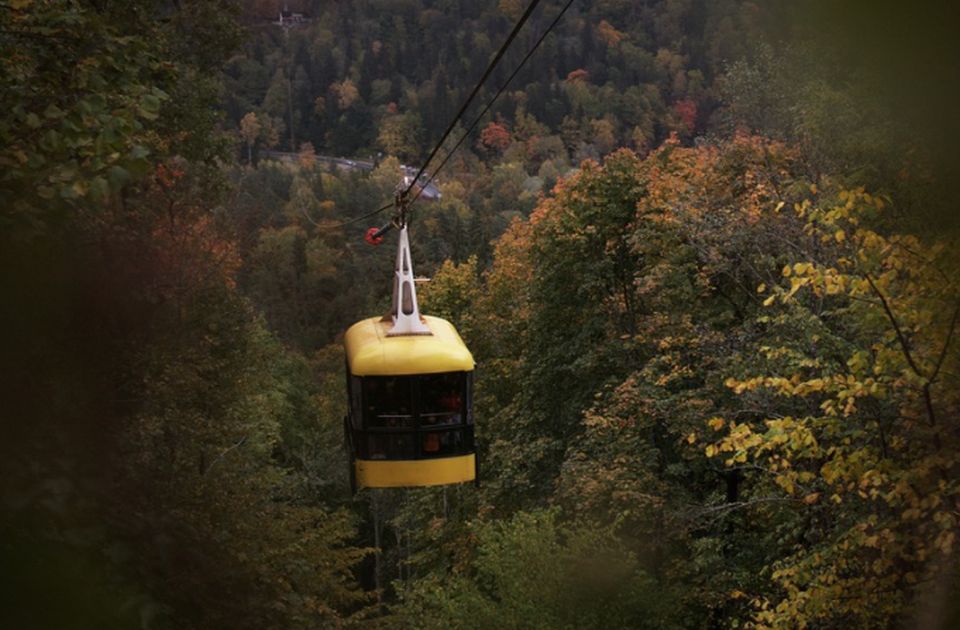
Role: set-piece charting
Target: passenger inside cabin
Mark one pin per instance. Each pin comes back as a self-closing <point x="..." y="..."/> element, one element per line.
<point x="440" y="398"/>
<point x="442" y="405"/>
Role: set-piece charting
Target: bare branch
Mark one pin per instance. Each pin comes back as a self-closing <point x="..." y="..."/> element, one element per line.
<point x="705" y="510"/>
<point x="929" y="263"/>
<point x="896" y="327"/>
<point x="216" y="459"/>
<point x="946" y="343"/>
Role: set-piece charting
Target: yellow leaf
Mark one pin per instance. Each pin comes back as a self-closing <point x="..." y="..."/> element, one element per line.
<point x="787" y="271"/>
<point x="716" y="423"/>
<point x="691" y="438"/>
<point x="810" y="499"/>
<point x="761" y="288"/>
<point x="945" y="541"/>
<point x="840" y="236"/>
<point x="711" y="451"/>
<point x="813" y="188"/>
<point x="769" y="300"/>
<point x="795" y="285"/>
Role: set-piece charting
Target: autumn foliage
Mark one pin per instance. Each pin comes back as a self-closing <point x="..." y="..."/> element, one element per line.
<point x="495" y="136"/>
<point x="744" y="366"/>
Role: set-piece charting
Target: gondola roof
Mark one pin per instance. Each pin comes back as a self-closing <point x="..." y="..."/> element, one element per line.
<point x="370" y="352"/>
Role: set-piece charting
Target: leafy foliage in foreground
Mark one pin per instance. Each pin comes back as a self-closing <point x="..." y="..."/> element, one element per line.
<point x="862" y="436"/>
<point x="161" y="464"/>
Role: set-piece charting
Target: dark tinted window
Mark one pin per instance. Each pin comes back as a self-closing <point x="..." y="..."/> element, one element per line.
<point x="388" y="445"/>
<point x="441" y="399"/>
<point x="412" y="417"/>
<point x="445" y="443"/>
<point x="356" y="400"/>
<point x="388" y="402"/>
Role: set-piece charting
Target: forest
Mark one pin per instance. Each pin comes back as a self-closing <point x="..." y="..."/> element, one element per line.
<point x="705" y="255"/>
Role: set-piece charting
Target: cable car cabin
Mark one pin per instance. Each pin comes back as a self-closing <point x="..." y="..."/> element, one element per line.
<point x="410" y="420"/>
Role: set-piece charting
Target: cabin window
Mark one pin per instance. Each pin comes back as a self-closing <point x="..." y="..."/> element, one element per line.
<point x="444" y="443"/>
<point x="390" y="446"/>
<point x="355" y="385"/>
<point x="441" y="399"/>
<point x="413" y="417"/>
<point x="388" y="402"/>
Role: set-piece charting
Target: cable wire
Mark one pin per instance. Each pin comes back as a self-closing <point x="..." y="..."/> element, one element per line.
<point x="360" y="218"/>
<point x="490" y="103"/>
<point x="473" y="93"/>
<point x="466" y="104"/>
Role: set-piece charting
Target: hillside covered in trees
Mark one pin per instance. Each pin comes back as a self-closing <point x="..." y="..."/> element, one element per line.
<point x="704" y="253"/>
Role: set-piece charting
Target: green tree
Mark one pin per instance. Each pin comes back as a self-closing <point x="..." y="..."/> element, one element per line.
<point x="147" y="465"/>
<point x="400" y="135"/>
<point x="532" y="571"/>
<point x="250" y="131"/>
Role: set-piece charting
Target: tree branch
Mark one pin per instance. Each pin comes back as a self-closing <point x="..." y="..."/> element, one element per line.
<point x="216" y="459"/>
<point x="896" y="327"/>
<point x="946" y="343"/>
<point x="710" y="509"/>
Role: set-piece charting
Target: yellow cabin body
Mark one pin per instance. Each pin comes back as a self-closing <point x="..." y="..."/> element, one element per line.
<point x="410" y="420"/>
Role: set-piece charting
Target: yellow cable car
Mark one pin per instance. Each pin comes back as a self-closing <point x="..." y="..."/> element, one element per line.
<point x="409" y="383"/>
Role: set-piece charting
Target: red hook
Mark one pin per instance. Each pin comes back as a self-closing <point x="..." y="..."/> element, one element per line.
<point x="373" y="236"/>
